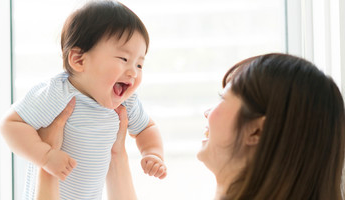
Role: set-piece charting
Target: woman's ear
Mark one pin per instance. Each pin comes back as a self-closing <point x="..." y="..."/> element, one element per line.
<point x="253" y="132"/>
<point x="76" y="59"/>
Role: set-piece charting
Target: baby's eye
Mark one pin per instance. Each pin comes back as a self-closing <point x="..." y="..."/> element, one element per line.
<point x="122" y="58"/>
<point x="140" y="66"/>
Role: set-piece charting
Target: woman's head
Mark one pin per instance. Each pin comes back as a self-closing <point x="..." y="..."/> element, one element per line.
<point x="98" y="19"/>
<point x="300" y="150"/>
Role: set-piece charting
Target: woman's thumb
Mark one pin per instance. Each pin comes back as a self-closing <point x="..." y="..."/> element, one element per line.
<point x="66" y="113"/>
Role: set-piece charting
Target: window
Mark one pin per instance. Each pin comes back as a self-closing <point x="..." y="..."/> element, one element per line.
<point x="193" y="43"/>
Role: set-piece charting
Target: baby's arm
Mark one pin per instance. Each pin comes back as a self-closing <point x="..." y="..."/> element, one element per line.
<point x="150" y="145"/>
<point x="24" y="141"/>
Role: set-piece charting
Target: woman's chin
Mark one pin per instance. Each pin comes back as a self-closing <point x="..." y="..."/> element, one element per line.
<point x="202" y="151"/>
<point x="204" y="141"/>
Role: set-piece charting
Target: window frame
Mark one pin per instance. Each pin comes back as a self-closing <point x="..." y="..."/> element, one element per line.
<point x="6" y="164"/>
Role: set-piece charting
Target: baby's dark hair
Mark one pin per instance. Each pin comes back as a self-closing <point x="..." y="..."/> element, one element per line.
<point x="85" y="27"/>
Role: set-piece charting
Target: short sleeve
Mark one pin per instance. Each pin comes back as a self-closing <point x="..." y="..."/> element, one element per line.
<point x="43" y="103"/>
<point x="138" y="119"/>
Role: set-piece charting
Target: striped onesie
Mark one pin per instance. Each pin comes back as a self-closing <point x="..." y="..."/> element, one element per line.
<point x="89" y="134"/>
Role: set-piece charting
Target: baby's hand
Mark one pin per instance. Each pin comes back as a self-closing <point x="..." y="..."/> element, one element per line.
<point x="154" y="166"/>
<point x="59" y="164"/>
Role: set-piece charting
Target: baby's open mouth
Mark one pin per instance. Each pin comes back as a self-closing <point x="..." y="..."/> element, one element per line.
<point x="120" y="88"/>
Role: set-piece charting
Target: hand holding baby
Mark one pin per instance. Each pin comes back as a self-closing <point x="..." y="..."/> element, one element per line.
<point x="57" y="162"/>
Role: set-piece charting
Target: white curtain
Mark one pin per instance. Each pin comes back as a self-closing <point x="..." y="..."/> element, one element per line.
<point x="316" y="31"/>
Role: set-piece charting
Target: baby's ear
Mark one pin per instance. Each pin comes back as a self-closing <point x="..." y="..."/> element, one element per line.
<point x="76" y="59"/>
<point x="253" y="134"/>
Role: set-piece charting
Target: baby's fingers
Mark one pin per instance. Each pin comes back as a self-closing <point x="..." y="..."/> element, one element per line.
<point x="164" y="174"/>
<point x="72" y="163"/>
<point x="65" y="173"/>
<point x="154" y="169"/>
<point x="161" y="173"/>
<point x="61" y="175"/>
<point x="146" y="165"/>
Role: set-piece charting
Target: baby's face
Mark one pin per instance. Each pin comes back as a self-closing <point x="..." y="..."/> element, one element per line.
<point x="113" y="69"/>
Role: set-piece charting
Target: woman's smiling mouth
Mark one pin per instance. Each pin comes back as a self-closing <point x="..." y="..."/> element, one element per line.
<point x="206" y="134"/>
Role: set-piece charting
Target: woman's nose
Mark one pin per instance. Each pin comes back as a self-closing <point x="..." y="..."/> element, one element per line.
<point x="207" y="112"/>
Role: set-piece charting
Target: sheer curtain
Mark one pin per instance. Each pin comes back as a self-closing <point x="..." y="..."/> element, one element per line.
<point x="316" y="31"/>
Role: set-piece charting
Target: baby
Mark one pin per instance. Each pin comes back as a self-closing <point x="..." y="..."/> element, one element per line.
<point x="103" y="45"/>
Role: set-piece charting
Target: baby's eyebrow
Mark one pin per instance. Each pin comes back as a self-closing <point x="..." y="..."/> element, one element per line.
<point x="131" y="53"/>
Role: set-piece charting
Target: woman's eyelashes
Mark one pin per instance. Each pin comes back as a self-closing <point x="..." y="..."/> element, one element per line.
<point x="220" y="95"/>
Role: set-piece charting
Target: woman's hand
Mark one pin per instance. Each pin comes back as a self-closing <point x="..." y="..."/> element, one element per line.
<point x="119" y="145"/>
<point x="119" y="178"/>
<point x="47" y="185"/>
<point x="53" y="134"/>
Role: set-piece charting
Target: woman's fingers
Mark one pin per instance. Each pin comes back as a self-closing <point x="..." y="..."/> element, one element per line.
<point x="62" y="118"/>
<point x="119" y="144"/>
<point x="121" y="111"/>
<point x="53" y="134"/>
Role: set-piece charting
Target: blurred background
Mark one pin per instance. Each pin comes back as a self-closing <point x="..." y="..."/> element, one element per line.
<point x="192" y="44"/>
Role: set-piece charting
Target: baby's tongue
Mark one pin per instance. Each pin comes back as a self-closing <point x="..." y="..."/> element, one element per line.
<point x="118" y="89"/>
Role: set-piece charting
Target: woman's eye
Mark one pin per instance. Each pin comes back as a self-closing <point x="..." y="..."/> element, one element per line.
<point x="221" y="96"/>
<point x="140" y="66"/>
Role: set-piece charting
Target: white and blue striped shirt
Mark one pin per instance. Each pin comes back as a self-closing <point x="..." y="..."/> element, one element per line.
<point x="89" y="134"/>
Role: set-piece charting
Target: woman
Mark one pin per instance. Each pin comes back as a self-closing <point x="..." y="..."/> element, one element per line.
<point x="277" y="133"/>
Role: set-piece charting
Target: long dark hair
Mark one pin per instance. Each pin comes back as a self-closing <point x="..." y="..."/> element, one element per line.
<point x="300" y="154"/>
